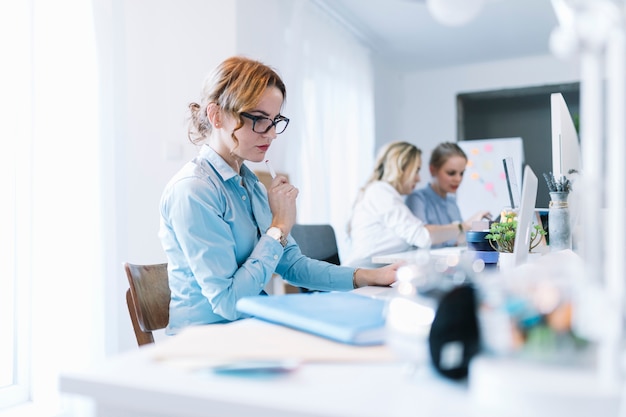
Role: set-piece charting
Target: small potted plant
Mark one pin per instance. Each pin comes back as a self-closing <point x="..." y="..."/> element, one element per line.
<point x="501" y="235"/>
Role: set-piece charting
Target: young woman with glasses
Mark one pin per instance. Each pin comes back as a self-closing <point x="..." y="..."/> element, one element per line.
<point x="223" y="233"/>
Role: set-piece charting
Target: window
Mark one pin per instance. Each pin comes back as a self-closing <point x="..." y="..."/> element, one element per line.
<point x="15" y="233"/>
<point x="50" y="216"/>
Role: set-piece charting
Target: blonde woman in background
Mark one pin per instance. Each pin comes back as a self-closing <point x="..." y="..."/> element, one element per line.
<point x="381" y="222"/>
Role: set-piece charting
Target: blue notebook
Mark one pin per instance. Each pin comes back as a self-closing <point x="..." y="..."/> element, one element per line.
<point x="341" y="316"/>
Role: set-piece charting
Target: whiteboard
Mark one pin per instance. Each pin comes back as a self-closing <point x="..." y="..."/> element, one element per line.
<point x="484" y="182"/>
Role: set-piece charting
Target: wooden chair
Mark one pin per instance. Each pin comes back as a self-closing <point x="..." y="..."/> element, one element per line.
<point x="148" y="299"/>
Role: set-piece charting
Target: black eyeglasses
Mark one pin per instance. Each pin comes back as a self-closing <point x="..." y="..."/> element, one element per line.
<point x="261" y="124"/>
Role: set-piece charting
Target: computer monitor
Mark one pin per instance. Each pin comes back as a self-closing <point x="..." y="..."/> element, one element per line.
<point x="566" y="158"/>
<point x="525" y="216"/>
<point x="566" y="155"/>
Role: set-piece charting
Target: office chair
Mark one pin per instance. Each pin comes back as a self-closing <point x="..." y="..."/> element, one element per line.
<point x="148" y="299"/>
<point x="317" y="241"/>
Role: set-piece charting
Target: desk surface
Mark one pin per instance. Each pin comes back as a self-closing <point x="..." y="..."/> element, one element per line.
<point x="412" y="254"/>
<point x="134" y="383"/>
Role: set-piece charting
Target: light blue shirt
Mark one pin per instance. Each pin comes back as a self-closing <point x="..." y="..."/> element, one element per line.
<point x="431" y="208"/>
<point x="212" y="229"/>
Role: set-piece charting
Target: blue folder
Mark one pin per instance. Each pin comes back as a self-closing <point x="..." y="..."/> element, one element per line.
<point x="341" y="316"/>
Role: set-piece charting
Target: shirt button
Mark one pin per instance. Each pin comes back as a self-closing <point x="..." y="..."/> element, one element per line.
<point x="243" y="197"/>
<point x="275" y="256"/>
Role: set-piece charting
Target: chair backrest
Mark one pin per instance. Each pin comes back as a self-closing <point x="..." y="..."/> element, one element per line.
<point x="317" y="241"/>
<point x="148" y="299"/>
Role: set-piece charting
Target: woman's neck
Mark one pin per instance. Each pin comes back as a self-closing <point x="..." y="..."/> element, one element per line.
<point x="227" y="155"/>
<point x="437" y="189"/>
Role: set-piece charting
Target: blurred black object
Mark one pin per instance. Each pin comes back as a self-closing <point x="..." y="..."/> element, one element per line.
<point x="454" y="336"/>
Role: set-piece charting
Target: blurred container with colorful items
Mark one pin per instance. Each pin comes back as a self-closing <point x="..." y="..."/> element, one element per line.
<point x="530" y="311"/>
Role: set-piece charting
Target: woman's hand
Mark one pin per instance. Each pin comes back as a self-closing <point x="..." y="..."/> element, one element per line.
<point x="476" y="217"/>
<point x="384" y="276"/>
<point x="282" y="199"/>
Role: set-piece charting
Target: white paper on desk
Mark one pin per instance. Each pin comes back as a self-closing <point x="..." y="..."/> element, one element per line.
<point x="252" y="339"/>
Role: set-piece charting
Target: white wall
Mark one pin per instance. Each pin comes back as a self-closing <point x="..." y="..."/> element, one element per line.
<point x="424" y="105"/>
<point x="389" y="98"/>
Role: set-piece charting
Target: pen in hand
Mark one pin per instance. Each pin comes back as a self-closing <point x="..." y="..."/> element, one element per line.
<point x="269" y="166"/>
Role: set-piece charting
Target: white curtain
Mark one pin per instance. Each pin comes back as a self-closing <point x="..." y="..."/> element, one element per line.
<point x="51" y="126"/>
<point x="333" y="153"/>
<point x="15" y="227"/>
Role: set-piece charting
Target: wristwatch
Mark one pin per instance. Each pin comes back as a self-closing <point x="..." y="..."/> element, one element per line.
<point x="460" y="226"/>
<point x="277" y="234"/>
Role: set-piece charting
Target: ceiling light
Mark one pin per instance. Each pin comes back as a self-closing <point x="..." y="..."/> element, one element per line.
<point x="454" y="12"/>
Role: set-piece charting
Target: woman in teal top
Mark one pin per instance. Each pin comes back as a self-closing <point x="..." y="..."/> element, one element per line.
<point x="436" y="202"/>
<point x="223" y="233"/>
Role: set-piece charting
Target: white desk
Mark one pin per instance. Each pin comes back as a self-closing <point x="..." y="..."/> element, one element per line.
<point x="412" y="254"/>
<point x="134" y="384"/>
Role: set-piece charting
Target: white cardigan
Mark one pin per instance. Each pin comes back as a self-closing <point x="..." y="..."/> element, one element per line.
<point x="381" y="224"/>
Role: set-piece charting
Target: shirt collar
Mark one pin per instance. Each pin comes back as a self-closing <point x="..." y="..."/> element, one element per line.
<point x="221" y="167"/>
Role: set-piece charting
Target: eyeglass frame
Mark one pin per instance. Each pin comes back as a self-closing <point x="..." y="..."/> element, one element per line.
<point x="277" y="119"/>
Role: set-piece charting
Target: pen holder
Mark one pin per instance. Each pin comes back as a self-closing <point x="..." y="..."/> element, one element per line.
<point x="559" y="229"/>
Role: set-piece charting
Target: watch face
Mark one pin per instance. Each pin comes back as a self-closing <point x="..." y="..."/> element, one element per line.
<point x="274" y="232"/>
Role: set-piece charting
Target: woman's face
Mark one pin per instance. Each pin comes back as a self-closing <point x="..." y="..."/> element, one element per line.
<point x="411" y="178"/>
<point x="448" y="178"/>
<point x="252" y="145"/>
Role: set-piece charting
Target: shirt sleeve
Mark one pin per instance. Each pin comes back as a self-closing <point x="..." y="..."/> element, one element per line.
<point x="302" y="271"/>
<point x="197" y="218"/>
